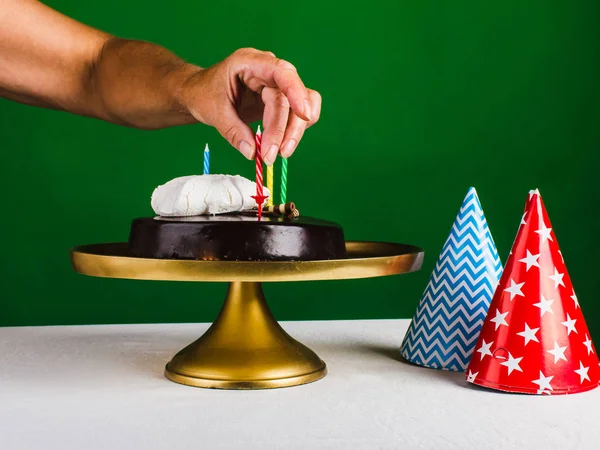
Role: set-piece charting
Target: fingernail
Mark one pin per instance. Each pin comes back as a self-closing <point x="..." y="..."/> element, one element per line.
<point x="246" y="150"/>
<point x="271" y="155"/>
<point x="288" y="148"/>
<point x="307" y="109"/>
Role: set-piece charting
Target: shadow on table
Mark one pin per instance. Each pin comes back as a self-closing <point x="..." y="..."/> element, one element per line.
<point x="409" y="368"/>
<point x="360" y="350"/>
<point x="456" y="378"/>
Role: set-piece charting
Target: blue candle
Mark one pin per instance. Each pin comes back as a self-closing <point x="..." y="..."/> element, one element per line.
<point x="206" y="160"/>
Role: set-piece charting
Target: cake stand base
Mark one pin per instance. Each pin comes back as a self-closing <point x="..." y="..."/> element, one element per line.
<point x="245" y="348"/>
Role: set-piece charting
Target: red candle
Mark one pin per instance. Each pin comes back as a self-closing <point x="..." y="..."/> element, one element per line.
<point x="259" y="197"/>
<point x="259" y="163"/>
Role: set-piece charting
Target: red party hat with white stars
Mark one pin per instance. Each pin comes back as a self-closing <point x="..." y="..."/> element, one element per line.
<point x="534" y="339"/>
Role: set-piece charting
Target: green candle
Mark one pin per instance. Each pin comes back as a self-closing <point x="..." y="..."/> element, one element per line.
<point x="284" y="165"/>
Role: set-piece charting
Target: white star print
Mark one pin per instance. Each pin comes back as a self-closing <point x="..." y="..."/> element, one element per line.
<point x="514" y="289"/>
<point x="471" y="377"/>
<point x="530" y="260"/>
<point x="485" y="348"/>
<point x="558" y="352"/>
<point x="570" y="324"/>
<point x="557" y="278"/>
<point x="543" y="382"/>
<point x="588" y="344"/>
<point x="529" y="334"/>
<point x="575" y="300"/>
<point x="500" y="319"/>
<point x="523" y="219"/>
<point x="512" y="363"/>
<point x="561" y="256"/>
<point x="544" y="233"/>
<point x="582" y="372"/>
<point x="545" y="306"/>
<point x="533" y="192"/>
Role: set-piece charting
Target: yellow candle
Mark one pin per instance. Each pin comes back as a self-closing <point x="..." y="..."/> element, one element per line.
<point x="270" y="185"/>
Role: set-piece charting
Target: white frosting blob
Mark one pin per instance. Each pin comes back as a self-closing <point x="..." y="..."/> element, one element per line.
<point x="196" y="195"/>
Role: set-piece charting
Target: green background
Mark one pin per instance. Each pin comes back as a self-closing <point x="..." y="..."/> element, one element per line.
<point x="420" y="101"/>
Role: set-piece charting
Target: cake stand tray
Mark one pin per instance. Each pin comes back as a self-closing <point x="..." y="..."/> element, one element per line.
<point x="245" y="347"/>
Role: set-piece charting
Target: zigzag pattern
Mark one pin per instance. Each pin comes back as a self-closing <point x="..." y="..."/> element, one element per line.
<point x="449" y="317"/>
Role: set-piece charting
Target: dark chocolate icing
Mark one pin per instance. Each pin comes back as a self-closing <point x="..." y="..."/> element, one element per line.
<point x="235" y="237"/>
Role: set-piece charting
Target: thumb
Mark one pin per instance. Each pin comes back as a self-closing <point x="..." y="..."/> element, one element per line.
<point x="237" y="133"/>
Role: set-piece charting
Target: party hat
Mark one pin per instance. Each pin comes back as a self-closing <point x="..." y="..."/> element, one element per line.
<point x="446" y="325"/>
<point x="534" y="339"/>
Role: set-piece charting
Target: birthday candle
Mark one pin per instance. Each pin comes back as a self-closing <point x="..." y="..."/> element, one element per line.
<point x="206" y="160"/>
<point x="284" y="167"/>
<point x="259" y="197"/>
<point x="259" y="163"/>
<point x="270" y="185"/>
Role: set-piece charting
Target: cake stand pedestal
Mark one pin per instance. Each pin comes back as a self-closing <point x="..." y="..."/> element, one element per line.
<point x="245" y="348"/>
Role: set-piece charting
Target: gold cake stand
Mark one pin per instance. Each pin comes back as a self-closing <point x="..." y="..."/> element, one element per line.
<point x="245" y="347"/>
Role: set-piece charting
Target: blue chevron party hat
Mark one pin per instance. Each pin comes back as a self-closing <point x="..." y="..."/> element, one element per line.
<point x="449" y="317"/>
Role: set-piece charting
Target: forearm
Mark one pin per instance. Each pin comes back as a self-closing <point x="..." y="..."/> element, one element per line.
<point x="137" y="84"/>
<point x="45" y="56"/>
<point x="50" y="60"/>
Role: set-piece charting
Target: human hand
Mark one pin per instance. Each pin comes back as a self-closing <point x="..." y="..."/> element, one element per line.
<point x="245" y="87"/>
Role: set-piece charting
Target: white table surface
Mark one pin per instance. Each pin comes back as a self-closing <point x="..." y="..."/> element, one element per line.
<point x="102" y="387"/>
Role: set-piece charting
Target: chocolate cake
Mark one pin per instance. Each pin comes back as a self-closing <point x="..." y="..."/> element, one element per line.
<point x="237" y="237"/>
